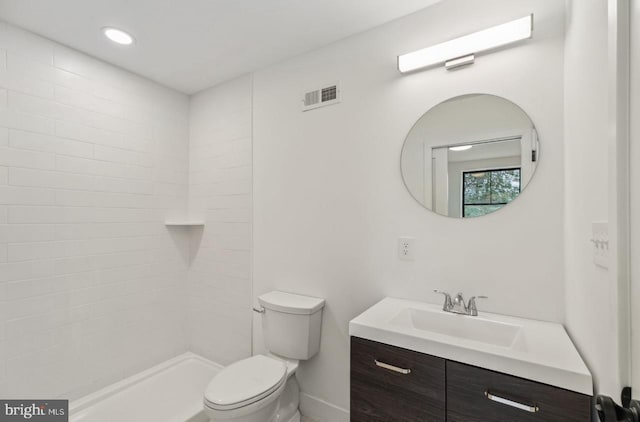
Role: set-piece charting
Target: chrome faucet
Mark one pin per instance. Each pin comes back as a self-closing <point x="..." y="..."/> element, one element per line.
<point x="457" y="305"/>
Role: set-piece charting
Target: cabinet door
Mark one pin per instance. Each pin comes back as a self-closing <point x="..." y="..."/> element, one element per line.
<point x="480" y="395"/>
<point x="390" y="384"/>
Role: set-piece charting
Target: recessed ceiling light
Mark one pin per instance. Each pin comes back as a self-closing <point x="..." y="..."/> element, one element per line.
<point x="461" y="148"/>
<point x="117" y="36"/>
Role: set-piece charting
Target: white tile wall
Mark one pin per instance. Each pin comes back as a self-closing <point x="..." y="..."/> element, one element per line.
<point x="220" y="193"/>
<point x="92" y="161"/>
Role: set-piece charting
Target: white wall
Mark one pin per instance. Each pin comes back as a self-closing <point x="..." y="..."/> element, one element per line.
<point x="591" y="295"/>
<point x="92" y="160"/>
<point x="329" y="202"/>
<point x="220" y="193"/>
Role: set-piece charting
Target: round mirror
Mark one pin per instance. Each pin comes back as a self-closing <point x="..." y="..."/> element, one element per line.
<point x="470" y="155"/>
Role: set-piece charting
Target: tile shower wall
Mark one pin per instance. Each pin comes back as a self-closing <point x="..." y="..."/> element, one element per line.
<point x="219" y="308"/>
<point x="92" y="160"/>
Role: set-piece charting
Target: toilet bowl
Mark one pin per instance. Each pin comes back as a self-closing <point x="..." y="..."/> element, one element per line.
<point x="258" y="389"/>
<point x="263" y="388"/>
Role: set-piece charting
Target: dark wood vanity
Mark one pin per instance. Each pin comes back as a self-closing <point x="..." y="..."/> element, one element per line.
<point x="391" y="384"/>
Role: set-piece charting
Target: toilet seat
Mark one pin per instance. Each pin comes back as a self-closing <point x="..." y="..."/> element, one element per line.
<point x="245" y="382"/>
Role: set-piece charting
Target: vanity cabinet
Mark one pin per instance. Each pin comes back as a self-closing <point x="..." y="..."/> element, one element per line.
<point x="392" y="384"/>
<point x="480" y="395"/>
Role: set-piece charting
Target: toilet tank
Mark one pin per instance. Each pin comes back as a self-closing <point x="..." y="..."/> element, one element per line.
<point x="291" y="324"/>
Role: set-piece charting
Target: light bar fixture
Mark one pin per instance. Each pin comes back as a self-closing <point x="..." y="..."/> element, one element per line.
<point x="461" y="51"/>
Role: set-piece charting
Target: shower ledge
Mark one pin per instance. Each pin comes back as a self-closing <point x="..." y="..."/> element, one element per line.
<point x="184" y="223"/>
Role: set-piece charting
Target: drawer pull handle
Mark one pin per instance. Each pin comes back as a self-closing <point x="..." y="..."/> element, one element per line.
<point x="392" y="368"/>
<point x="502" y="400"/>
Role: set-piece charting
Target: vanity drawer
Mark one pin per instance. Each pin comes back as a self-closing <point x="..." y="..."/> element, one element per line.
<point x="390" y="384"/>
<point x="475" y="395"/>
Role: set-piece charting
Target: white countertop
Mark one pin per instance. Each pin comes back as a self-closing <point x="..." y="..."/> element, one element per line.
<point x="541" y="351"/>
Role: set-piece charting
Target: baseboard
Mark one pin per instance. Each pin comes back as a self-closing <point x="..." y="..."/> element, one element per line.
<point x="322" y="411"/>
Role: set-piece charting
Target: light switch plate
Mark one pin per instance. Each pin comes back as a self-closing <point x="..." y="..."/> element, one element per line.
<point x="406" y="246"/>
<point x="600" y="243"/>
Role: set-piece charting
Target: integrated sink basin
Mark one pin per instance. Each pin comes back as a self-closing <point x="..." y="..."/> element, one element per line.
<point x="535" y="350"/>
<point x="476" y="329"/>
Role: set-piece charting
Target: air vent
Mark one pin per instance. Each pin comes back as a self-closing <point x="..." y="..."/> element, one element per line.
<point x="321" y="97"/>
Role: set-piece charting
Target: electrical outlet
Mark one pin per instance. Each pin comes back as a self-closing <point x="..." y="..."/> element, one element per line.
<point x="406" y="248"/>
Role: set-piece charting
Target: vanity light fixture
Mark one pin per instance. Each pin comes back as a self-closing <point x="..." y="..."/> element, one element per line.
<point x="461" y="51"/>
<point x="118" y="36"/>
<point x="461" y="148"/>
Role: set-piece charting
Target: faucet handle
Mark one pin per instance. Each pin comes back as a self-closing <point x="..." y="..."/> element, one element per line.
<point x="447" y="300"/>
<point x="473" y="310"/>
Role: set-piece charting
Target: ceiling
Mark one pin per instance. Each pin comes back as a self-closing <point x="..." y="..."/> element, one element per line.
<point x="190" y="45"/>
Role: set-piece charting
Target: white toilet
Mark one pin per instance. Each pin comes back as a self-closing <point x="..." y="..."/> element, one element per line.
<point x="263" y="388"/>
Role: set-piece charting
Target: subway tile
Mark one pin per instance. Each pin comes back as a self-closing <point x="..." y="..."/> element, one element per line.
<point x="73" y="265"/>
<point x="46" y="250"/>
<point x="4" y="137"/>
<point x="17" y="120"/>
<point x="74" y="98"/>
<point x="17" y="195"/>
<point x="118" y="200"/>
<point x="109" y="184"/>
<point x="46" y="143"/>
<point x="101" y="168"/>
<point x="73" y="231"/>
<point x="45" y="214"/>
<point x="121" y="215"/>
<point x="228" y="202"/>
<point x="71" y="198"/>
<point x="229" y="215"/>
<point x="26" y="270"/>
<point x="122" y="259"/>
<point x="122" y="156"/>
<point x="29" y="104"/>
<point x="216" y="228"/>
<point x="121" y="244"/>
<point x="120" y="125"/>
<point x="107" y="230"/>
<point x="24" y="83"/>
<point x="4" y="175"/>
<point x="76" y="131"/>
<point x="12" y="233"/>
<point x="50" y="179"/>
<point x="24" y="65"/>
<point x="31" y="159"/>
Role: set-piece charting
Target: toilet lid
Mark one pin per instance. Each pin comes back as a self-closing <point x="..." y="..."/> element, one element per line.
<point x="245" y="382"/>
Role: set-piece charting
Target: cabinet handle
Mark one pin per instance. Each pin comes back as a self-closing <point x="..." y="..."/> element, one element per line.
<point x="392" y="368"/>
<point x="502" y="400"/>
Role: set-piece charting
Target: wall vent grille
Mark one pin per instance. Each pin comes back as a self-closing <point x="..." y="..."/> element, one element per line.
<point x="321" y="97"/>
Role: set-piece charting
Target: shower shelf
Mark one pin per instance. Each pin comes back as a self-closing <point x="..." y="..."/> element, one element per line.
<point x="185" y="223"/>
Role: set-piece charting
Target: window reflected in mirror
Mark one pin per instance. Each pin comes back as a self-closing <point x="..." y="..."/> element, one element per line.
<point x="486" y="191"/>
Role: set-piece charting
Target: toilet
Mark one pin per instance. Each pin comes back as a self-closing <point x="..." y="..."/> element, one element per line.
<point x="263" y="388"/>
